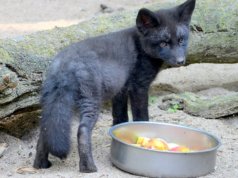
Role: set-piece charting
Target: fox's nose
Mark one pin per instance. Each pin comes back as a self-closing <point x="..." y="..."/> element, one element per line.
<point x="180" y="61"/>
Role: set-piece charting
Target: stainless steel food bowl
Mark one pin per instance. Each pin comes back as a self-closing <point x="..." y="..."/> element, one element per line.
<point x="152" y="163"/>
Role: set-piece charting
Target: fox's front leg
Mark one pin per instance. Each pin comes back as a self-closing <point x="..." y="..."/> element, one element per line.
<point x="139" y="104"/>
<point x="119" y="107"/>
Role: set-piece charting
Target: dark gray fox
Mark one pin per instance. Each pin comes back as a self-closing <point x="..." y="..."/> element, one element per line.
<point x="115" y="66"/>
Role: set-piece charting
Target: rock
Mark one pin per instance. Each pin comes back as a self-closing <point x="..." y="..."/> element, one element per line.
<point x="196" y="77"/>
<point x="203" y="104"/>
<point x="9" y="174"/>
<point x="106" y="9"/>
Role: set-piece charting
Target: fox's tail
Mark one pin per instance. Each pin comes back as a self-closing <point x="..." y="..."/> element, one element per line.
<point x="57" y="103"/>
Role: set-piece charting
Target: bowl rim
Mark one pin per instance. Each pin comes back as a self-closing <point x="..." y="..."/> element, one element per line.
<point x="110" y="132"/>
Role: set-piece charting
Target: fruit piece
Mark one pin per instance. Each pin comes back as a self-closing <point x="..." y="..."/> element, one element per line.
<point x="154" y="143"/>
<point x="142" y="141"/>
<point x="172" y="145"/>
<point x="182" y="149"/>
<point x="149" y="143"/>
<point x="158" y="144"/>
<point x="126" y="136"/>
<point x="139" y="140"/>
<point x="185" y="149"/>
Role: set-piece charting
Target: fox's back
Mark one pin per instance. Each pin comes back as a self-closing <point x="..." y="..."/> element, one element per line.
<point x="103" y="61"/>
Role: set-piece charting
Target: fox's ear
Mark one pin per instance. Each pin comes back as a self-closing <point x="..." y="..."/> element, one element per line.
<point x="185" y="11"/>
<point x="146" y="20"/>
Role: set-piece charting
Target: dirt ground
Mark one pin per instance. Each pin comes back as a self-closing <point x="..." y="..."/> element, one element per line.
<point x="20" y="153"/>
<point x="19" y="17"/>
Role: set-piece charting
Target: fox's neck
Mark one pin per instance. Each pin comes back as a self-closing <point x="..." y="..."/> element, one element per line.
<point x="156" y="62"/>
<point x="134" y="46"/>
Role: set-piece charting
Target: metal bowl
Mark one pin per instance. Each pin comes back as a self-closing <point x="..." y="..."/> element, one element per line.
<point x="153" y="163"/>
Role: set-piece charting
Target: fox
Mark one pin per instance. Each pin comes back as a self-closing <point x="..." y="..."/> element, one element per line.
<point x="117" y="67"/>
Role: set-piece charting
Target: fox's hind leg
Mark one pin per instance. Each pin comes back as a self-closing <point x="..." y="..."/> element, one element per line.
<point x="42" y="153"/>
<point x="119" y="107"/>
<point x="89" y="111"/>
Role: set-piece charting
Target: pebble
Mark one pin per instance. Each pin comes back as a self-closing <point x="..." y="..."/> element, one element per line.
<point x="9" y="174"/>
<point x="3" y="147"/>
<point x="106" y="9"/>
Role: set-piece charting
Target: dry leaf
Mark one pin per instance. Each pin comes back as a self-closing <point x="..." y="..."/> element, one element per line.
<point x="25" y="170"/>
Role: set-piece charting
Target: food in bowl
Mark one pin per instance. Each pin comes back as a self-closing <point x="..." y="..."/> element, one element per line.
<point x="150" y="143"/>
<point x="199" y="161"/>
<point x="160" y="144"/>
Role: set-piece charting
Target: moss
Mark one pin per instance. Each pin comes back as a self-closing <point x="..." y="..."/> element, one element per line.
<point x="215" y="15"/>
<point x="214" y="107"/>
<point x="5" y="56"/>
<point x="209" y="15"/>
<point x="219" y="47"/>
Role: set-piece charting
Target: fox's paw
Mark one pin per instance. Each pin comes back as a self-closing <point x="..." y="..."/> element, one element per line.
<point x="42" y="164"/>
<point x="87" y="167"/>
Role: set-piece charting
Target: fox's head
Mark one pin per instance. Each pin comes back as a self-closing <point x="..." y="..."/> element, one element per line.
<point x="164" y="34"/>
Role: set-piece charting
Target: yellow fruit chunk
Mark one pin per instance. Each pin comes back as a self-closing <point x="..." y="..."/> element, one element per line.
<point x="125" y="136"/>
<point x="154" y="143"/>
<point x="182" y="149"/>
<point x="158" y="144"/>
<point x="139" y="140"/>
<point x="142" y="141"/>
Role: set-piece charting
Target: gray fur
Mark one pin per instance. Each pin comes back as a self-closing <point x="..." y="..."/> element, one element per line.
<point x="117" y="66"/>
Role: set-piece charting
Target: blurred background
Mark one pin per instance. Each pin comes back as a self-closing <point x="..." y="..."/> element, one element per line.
<point x="19" y="17"/>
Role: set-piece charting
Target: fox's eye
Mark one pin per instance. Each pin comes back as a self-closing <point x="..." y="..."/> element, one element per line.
<point x="163" y="44"/>
<point x="180" y="40"/>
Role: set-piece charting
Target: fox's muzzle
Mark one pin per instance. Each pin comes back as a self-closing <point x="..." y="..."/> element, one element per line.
<point x="180" y="61"/>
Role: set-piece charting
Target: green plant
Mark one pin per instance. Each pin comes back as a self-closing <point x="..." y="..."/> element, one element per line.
<point x="152" y="100"/>
<point x="174" y="108"/>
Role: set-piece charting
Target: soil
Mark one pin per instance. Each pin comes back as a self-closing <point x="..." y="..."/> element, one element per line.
<point x="27" y="16"/>
<point x="20" y="153"/>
